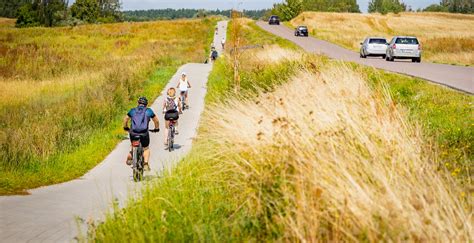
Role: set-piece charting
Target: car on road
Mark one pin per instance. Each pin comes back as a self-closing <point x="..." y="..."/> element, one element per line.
<point x="274" y="20"/>
<point x="404" y="47"/>
<point x="373" y="46"/>
<point x="301" y="31"/>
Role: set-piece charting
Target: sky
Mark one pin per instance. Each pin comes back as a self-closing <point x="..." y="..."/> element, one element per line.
<point x="227" y="4"/>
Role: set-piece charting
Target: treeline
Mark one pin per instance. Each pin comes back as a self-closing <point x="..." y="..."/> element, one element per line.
<point x="386" y="6"/>
<point x="452" y="6"/>
<point x="49" y="13"/>
<point x="292" y="8"/>
<point x="396" y="6"/>
<point x="164" y="14"/>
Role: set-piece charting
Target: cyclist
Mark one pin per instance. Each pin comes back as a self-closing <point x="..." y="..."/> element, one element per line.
<point x="183" y="86"/>
<point x="217" y="30"/>
<point x="140" y="117"/>
<point x="171" y="107"/>
<point x="214" y="54"/>
<point x="223" y="43"/>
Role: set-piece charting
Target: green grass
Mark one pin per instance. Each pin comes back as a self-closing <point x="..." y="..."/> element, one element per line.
<point x="195" y="202"/>
<point x="74" y="163"/>
<point x="61" y="120"/>
<point x="445" y="115"/>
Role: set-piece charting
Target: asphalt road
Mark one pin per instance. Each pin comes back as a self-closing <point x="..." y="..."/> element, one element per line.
<point x="49" y="213"/>
<point x="456" y="77"/>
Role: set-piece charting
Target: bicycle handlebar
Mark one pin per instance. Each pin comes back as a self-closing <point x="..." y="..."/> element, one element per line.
<point x="151" y="130"/>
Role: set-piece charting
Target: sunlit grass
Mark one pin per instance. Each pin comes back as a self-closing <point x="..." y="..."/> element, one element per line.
<point x="446" y="38"/>
<point x="320" y="151"/>
<point x="64" y="89"/>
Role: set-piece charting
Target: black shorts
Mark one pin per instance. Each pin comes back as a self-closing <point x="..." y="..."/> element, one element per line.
<point x="144" y="138"/>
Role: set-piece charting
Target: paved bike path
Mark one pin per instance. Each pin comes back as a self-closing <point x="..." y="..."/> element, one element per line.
<point x="49" y="213"/>
<point x="456" y="77"/>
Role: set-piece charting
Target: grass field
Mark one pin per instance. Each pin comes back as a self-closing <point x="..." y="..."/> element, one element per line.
<point x="445" y="38"/>
<point x="321" y="151"/>
<point x="65" y="91"/>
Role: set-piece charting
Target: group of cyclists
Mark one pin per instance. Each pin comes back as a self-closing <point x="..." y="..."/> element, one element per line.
<point x="173" y="105"/>
<point x="140" y="116"/>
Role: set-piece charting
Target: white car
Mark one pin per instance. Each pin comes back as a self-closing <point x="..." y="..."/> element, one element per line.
<point x="404" y="47"/>
<point x="373" y="46"/>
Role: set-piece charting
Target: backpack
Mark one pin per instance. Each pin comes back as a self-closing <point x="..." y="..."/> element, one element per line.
<point x="170" y="104"/>
<point x="140" y="120"/>
<point x="214" y="54"/>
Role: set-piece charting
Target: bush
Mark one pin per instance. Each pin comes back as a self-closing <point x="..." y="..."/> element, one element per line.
<point x="26" y="16"/>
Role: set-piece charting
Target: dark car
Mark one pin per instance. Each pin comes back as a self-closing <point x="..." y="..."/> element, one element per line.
<point x="274" y="20"/>
<point x="301" y="31"/>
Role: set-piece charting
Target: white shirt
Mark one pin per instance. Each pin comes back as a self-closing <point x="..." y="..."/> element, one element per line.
<point x="183" y="84"/>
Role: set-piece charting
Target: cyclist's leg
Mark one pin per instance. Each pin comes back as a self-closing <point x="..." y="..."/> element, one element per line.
<point x="186" y="97"/>
<point x="145" y="140"/>
<point x="129" y="159"/>
<point x="167" y="125"/>
<point x="176" y="127"/>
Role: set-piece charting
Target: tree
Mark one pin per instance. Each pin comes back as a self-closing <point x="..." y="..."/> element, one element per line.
<point x="331" y="5"/>
<point x="47" y="11"/>
<point x="110" y="11"/>
<point x="10" y="9"/>
<point x="436" y="8"/>
<point x="288" y="9"/>
<point x="27" y="16"/>
<point x="386" y="6"/>
<point x="458" y="6"/>
<point x="86" y="10"/>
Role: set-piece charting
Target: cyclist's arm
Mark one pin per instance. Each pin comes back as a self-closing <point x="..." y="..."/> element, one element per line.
<point x="189" y="84"/>
<point x="156" y="121"/>
<point x="125" y="121"/>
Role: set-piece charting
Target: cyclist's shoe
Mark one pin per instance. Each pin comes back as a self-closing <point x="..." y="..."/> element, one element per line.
<point x="129" y="159"/>
<point x="146" y="167"/>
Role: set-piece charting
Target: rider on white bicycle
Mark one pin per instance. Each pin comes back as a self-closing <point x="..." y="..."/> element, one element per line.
<point x="171" y="104"/>
<point x="183" y="86"/>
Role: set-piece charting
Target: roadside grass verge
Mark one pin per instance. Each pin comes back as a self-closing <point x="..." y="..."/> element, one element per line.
<point x="444" y="115"/>
<point x="325" y="154"/>
<point x="58" y="121"/>
<point x="445" y="38"/>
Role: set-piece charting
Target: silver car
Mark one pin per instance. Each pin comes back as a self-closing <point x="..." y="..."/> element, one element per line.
<point x="404" y="47"/>
<point x="373" y="46"/>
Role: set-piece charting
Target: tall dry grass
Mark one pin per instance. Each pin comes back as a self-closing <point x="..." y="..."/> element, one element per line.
<point x="65" y="88"/>
<point x="446" y="38"/>
<point x="324" y="158"/>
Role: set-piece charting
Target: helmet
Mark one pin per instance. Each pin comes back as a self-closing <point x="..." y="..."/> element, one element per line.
<point x="143" y="101"/>
<point x="183" y="73"/>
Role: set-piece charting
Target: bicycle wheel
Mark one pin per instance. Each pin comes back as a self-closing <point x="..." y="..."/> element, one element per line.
<point x="170" y="140"/>
<point x="135" y="172"/>
<point x="183" y="102"/>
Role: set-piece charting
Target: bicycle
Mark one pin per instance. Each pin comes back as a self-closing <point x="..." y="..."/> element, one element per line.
<point x="183" y="100"/>
<point x="171" y="132"/>
<point x="172" y="117"/>
<point x="138" y="161"/>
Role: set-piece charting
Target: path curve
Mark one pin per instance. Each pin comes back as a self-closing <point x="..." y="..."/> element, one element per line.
<point x="456" y="77"/>
<point x="49" y="213"/>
